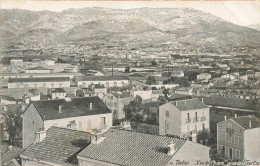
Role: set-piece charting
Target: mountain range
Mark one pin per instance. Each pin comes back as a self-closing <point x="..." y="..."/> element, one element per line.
<point x="181" y="26"/>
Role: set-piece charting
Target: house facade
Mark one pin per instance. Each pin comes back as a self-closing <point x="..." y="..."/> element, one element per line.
<point x="40" y="82"/>
<point x="183" y="118"/>
<point x="83" y="114"/>
<point x="116" y="102"/>
<point x="236" y="138"/>
<point x="107" y="81"/>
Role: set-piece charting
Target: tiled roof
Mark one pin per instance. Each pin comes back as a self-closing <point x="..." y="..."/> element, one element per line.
<point x="8" y="155"/>
<point x="58" y="90"/>
<point x="244" y="121"/>
<point x="38" y="68"/>
<point x="76" y="107"/>
<point x="131" y="148"/>
<point x="230" y="102"/>
<point x="60" y="146"/>
<point x="39" y="79"/>
<point x="190" y="104"/>
<point x="175" y="96"/>
<point x="103" y="78"/>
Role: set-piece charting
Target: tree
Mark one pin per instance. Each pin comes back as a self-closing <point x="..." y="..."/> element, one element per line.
<point x="150" y="80"/>
<point x="154" y="63"/>
<point x="13" y="123"/>
<point x="127" y="69"/>
<point x="203" y="137"/>
<point x="183" y="82"/>
<point x="133" y="108"/>
<point x="166" y="92"/>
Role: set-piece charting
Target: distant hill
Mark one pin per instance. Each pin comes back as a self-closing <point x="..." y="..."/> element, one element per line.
<point x="182" y="26"/>
<point x="255" y="26"/>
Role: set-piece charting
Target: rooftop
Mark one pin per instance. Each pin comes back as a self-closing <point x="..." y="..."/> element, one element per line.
<point x="74" y="107"/>
<point x="230" y="102"/>
<point x="190" y="104"/>
<point x="244" y="121"/>
<point x="8" y="155"/>
<point x="131" y="148"/>
<point x="103" y="78"/>
<point x="58" y="90"/>
<point x="60" y="146"/>
<point x="122" y="95"/>
<point x="39" y="79"/>
<point x="38" y="68"/>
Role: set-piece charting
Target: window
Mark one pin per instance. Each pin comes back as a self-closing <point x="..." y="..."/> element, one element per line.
<point x="167" y="114"/>
<point x="195" y="128"/>
<point x="237" y="154"/>
<point x="223" y="150"/>
<point x="240" y="140"/>
<point x="18" y="85"/>
<point x="103" y="122"/>
<point x="203" y="126"/>
<point x="167" y="126"/>
<point x="230" y="153"/>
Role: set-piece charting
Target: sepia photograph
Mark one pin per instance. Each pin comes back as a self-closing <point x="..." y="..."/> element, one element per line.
<point x="129" y="83"/>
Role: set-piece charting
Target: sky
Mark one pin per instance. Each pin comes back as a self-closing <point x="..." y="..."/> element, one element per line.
<point x="238" y="12"/>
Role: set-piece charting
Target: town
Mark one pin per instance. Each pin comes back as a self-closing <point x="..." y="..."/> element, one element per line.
<point x="129" y="103"/>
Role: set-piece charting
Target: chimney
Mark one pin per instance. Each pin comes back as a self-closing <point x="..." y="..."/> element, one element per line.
<point x="235" y="115"/>
<point x="176" y="103"/>
<point x="171" y="148"/>
<point x="10" y="147"/>
<point x="90" y="106"/>
<point x="39" y="136"/>
<point x="60" y="108"/>
<point x="225" y="117"/>
<point x="250" y="124"/>
<point x="96" y="138"/>
<point x="202" y="100"/>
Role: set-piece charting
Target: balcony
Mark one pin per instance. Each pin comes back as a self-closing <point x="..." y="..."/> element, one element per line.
<point x="229" y="130"/>
<point x="195" y="119"/>
<point x="203" y="118"/>
<point x="188" y="120"/>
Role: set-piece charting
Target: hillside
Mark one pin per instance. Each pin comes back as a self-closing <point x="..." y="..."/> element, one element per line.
<point x="182" y="26"/>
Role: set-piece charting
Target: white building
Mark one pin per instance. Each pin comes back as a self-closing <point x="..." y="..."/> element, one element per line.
<point x="183" y="117"/>
<point x="107" y="81"/>
<point x="84" y="114"/>
<point x="203" y="76"/>
<point x="39" y="82"/>
<point x="16" y="62"/>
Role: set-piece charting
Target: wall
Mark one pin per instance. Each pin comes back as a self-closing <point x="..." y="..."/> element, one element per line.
<point x="191" y="152"/>
<point x="230" y="140"/>
<point x="174" y="120"/>
<point x="119" y="83"/>
<point x="84" y="120"/>
<point x="39" y="84"/>
<point x="58" y="95"/>
<point x="32" y="121"/>
<point x="200" y="112"/>
<point x="90" y="162"/>
<point x="143" y="94"/>
<point x="252" y="144"/>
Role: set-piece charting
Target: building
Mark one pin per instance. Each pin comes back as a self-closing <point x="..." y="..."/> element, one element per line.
<point x="121" y="147"/>
<point x="84" y="114"/>
<point x="237" y="138"/>
<point x="39" y="82"/>
<point x="10" y="155"/>
<point x="107" y="81"/>
<point x="184" y="91"/>
<point x="57" y="93"/>
<point x="38" y="70"/>
<point x="183" y="118"/>
<point x="116" y="102"/>
<point x="204" y="76"/>
<point x="56" y="146"/>
<point x="16" y="62"/>
<point x="173" y="74"/>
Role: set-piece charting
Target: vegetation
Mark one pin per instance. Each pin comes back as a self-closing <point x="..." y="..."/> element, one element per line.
<point x="150" y="80"/>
